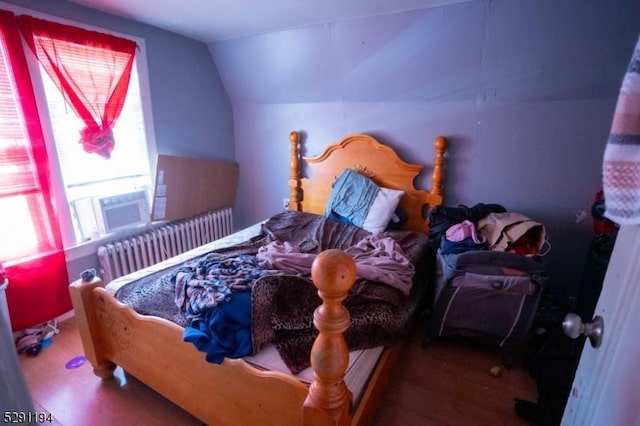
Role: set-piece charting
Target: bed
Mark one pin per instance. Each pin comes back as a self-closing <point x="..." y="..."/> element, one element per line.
<point x="237" y="391"/>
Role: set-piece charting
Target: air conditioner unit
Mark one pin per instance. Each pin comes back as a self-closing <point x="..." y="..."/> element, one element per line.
<point x="104" y="214"/>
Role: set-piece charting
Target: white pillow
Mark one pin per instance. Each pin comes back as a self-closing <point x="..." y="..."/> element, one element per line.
<point x="382" y="210"/>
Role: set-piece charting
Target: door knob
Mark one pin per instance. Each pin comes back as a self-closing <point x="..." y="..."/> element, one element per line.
<point x="574" y="327"/>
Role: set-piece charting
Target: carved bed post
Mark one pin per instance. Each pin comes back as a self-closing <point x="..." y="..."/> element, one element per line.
<point x="437" y="176"/>
<point x="84" y="307"/>
<point x="329" y="400"/>
<point x="294" y="175"/>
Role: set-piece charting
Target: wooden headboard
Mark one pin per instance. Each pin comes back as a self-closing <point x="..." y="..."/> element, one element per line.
<point x="373" y="159"/>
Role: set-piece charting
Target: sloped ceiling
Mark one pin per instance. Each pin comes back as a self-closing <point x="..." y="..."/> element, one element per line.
<point x="215" y="20"/>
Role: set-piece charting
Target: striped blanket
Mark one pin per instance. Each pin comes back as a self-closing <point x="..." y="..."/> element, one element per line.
<point x="621" y="165"/>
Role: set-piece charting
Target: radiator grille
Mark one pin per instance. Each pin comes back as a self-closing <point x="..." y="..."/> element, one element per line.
<point x="139" y="251"/>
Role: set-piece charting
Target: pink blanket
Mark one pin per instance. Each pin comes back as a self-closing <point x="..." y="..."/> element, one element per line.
<point x="377" y="258"/>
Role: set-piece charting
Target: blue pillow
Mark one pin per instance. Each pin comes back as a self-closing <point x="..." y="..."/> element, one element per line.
<point x="358" y="200"/>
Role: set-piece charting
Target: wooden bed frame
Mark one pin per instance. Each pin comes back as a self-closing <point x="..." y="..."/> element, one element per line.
<point x="152" y="350"/>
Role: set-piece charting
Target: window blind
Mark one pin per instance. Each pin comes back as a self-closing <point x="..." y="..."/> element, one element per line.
<point x="17" y="170"/>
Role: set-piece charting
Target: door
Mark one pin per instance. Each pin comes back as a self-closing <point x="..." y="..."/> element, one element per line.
<point x="606" y="388"/>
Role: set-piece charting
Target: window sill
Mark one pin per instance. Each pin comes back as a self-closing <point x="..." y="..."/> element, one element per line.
<point x="82" y="250"/>
<point x="90" y="248"/>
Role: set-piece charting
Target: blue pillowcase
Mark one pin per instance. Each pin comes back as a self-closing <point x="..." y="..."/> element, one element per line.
<point x="356" y="199"/>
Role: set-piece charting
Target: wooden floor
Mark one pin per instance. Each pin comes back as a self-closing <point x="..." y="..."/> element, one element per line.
<point x="446" y="383"/>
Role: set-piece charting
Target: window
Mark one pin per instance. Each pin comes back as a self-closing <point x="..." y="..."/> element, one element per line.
<point x="43" y="168"/>
<point x="78" y="176"/>
<point x="83" y="74"/>
<point x="87" y="176"/>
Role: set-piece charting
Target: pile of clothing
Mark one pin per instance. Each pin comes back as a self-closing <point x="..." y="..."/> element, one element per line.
<point x="32" y="340"/>
<point x="454" y="230"/>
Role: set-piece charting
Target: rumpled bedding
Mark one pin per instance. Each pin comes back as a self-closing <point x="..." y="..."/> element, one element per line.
<point x="205" y="283"/>
<point x="284" y="256"/>
<point x="277" y="305"/>
<point x="377" y="258"/>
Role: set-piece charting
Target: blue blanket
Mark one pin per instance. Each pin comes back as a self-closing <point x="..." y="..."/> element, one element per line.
<point x="224" y="331"/>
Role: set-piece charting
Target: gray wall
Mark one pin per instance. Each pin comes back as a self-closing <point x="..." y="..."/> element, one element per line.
<point x="192" y="113"/>
<point x="524" y="90"/>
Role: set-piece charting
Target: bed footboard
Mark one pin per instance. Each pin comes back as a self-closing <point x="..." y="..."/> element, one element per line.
<point x="329" y="400"/>
<point x="151" y="349"/>
<point x="86" y="318"/>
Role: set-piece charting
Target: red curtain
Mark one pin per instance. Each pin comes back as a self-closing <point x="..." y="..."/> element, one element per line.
<point x="96" y="92"/>
<point x="38" y="281"/>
